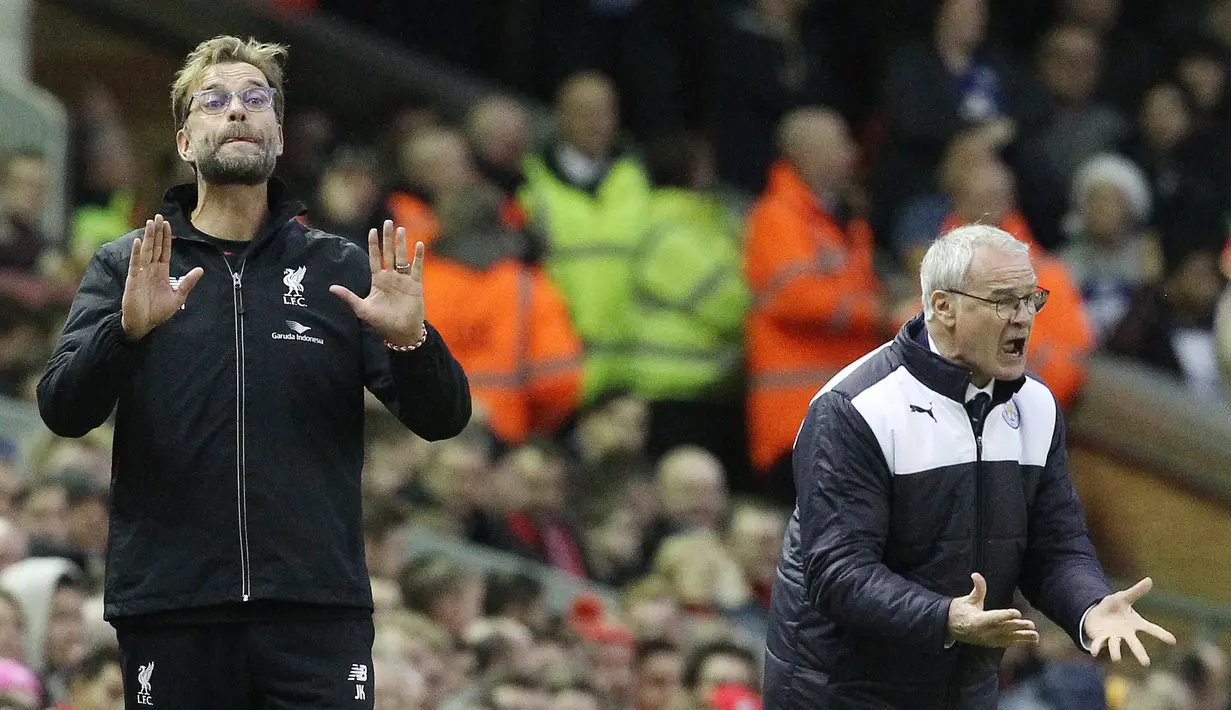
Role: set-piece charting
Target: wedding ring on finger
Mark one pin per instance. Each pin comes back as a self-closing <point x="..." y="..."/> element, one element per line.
<point x="402" y="268"/>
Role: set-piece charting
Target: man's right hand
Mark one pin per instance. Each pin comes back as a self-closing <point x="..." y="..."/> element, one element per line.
<point x="969" y="623"/>
<point x="149" y="299"/>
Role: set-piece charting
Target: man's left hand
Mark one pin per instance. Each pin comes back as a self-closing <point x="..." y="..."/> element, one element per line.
<point x="1114" y="620"/>
<point x="394" y="306"/>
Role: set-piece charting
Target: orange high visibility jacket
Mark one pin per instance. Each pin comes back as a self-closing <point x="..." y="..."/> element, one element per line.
<point x="415" y="215"/>
<point x="1062" y="338"/>
<point x="509" y="329"/>
<point x="816" y="307"/>
<point x="419" y="219"/>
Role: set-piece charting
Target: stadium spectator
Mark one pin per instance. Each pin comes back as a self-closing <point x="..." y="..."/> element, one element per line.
<point x="95" y="682"/>
<point x="42" y="511"/>
<point x="817" y="302"/>
<point x="12" y="626"/>
<point x="1131" y="60"/>
<point x="384" y="528"/>
<point x="717" y="664"/>
<point x="505" y="321"/>
<point x="1184" y="169"/>
<point x="346" y="195"/>
<point x="691" y="302"/>
<point x="500" y="136"/>
<point x="1172" y="326"/>
<point x="1077" y="127"/>
<point x="782" y="67"/>
<point x="19" y="687"/>
<point x="24" y="178"/>
<point x="431" y="162"/>
<point x="754" y="535"/>
<point x="586" y="197"/>
<point x="536" y="521"/>
<point x="692" y="488"/>
<point x="660" y="674"/>
<point x="443" y="591"/>
<point x="52" y="592"/>
<point x="932" y="91"/>
<point x="1109" y="252"/>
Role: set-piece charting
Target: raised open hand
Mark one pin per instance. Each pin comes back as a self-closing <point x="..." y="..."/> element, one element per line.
<point x="1114" y="620"/>
<point x="394" y="306"/>
<point x="149" y="298"/>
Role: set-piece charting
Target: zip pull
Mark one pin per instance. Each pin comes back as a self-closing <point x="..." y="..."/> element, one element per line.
<point x="979" y="447"/>
<point x="239" y="293"/>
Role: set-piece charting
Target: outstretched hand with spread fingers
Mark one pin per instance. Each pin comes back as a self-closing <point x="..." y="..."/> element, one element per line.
<point x="394" y="305"/>
<point x="1114" y="620"/>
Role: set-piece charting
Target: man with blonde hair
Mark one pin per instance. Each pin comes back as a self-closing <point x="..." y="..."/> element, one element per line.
<point x="933" y="483"/>
<point x="234" y="344"/>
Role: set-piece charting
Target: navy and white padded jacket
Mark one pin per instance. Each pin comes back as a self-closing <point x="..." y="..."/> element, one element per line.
<point x="901" y="496"/>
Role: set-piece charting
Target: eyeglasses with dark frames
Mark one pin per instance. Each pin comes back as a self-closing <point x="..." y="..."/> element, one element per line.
<point x="1006" y="306"/>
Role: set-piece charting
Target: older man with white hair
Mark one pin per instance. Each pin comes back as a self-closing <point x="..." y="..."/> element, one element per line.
<point x="933" y="482"/>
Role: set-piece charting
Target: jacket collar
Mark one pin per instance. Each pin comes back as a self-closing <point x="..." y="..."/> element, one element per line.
<point x="551" y="160"/>
<point x="938" y="374"/>
<point x="179" y="201"/>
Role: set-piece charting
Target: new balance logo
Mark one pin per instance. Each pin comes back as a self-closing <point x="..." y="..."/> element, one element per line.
<point x="359" y="672"/>
<point x="143" y="677"/>
<point x="920" y="410"/>
<point x="175" y="285"/>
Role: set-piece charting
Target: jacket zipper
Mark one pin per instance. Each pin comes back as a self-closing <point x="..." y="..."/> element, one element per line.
<point x="241" y="455"/>
<point x="976" y="426"/>
<point x="979" y="499"/>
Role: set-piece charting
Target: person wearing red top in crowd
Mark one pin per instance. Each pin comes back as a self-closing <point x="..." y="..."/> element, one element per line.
<point x="536" y="525"/>
<point x="609" y="648"/>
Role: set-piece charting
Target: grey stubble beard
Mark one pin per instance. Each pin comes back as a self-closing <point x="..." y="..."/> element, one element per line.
<point x="217" y="169"/>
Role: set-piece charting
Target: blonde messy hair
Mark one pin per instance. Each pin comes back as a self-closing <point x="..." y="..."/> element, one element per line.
<point x="224" y="49"/>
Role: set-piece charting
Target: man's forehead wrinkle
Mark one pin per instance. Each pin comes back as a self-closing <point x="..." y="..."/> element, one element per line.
<point x="1008" y="278"/>
<point x="219" y="75"/>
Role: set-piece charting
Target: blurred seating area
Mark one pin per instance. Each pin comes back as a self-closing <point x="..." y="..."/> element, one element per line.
<point x="654" y="229"/>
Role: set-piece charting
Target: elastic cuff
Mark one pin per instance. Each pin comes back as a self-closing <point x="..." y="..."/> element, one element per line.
<point x="1081" y="629"/>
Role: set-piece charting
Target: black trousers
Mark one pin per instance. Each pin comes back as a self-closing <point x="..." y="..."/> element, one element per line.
<point x="258" y="665"/>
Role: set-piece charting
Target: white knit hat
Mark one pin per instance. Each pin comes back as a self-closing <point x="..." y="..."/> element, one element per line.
<point x="1114" y="170"/>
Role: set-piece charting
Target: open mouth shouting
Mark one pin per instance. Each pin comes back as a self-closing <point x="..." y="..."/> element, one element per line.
<point x="1013" y="349"/>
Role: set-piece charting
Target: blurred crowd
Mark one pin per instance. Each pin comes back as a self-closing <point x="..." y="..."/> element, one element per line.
<point x="730" y="207"/>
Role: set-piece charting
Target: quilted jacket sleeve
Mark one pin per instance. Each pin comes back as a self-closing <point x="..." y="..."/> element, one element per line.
<point x="844" y="495"/>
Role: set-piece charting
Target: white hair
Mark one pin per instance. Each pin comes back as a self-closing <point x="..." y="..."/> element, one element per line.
<point x="946" y="264"/>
